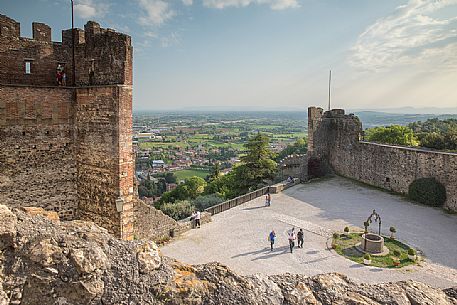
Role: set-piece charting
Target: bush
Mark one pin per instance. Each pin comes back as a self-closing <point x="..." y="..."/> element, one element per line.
<point x="427" y="191"/>
<point x="392" y="230"/>
<point x="206" y="201"/>
<point x="346" y="229"/>
<point x="367" y="256"/>
<point x="411" y="251"/>
<point x="178" y="210"/>
<point x="397" y="253"/>
<point x="336" y="235"/>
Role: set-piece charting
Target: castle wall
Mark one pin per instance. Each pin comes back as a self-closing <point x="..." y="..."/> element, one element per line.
<point x="292" y="166"/>
<point x="104" y="157"/>
<point x="151" y="223"/>
<point x="395" y="168"/>
<point x="68" y="149"/>
<point x="102" y="56"/>
<point x="37" y="165"/>
<point x="337" y="143"/>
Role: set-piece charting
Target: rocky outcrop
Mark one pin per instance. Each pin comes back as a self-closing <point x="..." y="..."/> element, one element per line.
<point x="47" y="262"/>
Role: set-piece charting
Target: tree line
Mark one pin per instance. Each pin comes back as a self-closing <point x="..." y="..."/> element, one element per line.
<point x="433" y="133"/>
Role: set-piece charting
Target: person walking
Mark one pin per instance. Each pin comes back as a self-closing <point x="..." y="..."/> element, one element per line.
<point x="292" y="238"/>
<point x="268" y="199"/>
<point x="300" y="236"/>
<point x="272" y="238"/>
<point x="197" y="219"/>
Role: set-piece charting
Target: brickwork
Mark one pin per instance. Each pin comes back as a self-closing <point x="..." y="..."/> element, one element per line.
<point x="68" y="149"/>
<point x="102" y="56"/>
<point x="336" y="142"/>
<point x="37" y="167"/>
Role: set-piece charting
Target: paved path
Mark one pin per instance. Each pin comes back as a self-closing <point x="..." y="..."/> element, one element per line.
<point x="238" y="237"/>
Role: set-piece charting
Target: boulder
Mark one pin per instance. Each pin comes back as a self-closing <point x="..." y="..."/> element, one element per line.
<point x="8" y="223"/>
<point x="88" y="260"/>
<point x="148" y="257"/>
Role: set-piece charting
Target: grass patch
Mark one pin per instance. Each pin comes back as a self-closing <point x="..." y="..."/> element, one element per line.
<point x="345" y="246"/>
<point x="187" y="173"/>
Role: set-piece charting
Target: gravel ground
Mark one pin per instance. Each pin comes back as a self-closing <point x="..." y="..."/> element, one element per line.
<point x="238" y="237"/>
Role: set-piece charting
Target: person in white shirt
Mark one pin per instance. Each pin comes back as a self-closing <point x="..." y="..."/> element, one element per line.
<point x="292" y="238"/>
<point x="197" y="219"/>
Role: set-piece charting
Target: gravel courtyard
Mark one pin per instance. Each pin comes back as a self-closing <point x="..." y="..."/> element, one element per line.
<point x="238" y="237"/>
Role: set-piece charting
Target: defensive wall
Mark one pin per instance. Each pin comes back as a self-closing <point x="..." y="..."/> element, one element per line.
<point x="68" y="148"/>
<point x="292" y="166"/>
<point x="334" y="144"/>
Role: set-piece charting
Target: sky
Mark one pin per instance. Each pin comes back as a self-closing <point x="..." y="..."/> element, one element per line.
<point x="274" y="54"/>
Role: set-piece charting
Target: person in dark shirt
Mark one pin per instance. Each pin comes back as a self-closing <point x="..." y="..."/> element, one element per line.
<point x="272" y="238"/>
<point x="300" y="236"/>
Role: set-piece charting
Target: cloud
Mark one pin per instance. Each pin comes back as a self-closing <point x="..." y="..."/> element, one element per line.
<point x="187" y="2"/>
<point x="413" y="34"/>
<point x="88" y="8"/>
<point x="274" y="4"/>
<point x="155" y="12"/>
<point x="170" y="40"/>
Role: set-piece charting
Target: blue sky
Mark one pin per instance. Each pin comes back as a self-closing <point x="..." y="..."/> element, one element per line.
<point x="274" y="54"/>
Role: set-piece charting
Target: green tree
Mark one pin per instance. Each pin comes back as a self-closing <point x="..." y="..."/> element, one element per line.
<point x="178" y="210"/>
<point x="190" y="189"/>
<point x="170" y="177"/>
<point x="206" y="201"/>
<point x="395" y="134"/>
<point x="257" y="165"/>
<point x="224" y="186"/>
<point x="215" y="172"/>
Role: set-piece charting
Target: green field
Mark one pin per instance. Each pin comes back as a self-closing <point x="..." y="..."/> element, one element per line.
<point x="145" y="145"/>
<point x="187" y="173"/>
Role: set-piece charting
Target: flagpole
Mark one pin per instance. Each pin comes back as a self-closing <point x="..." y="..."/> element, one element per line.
<point x="329" y="84"/>
<point x="73" y="43"/>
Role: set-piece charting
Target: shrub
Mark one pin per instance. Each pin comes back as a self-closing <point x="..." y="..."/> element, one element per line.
<point x="346" y="229"/>
<point x="206" y="201"/>
<point x="427" y="191"/>
<point x="392" y="230"/>
<point x="411" y="251"/>
<point x="397" y="253"/>
<point x="178" y="210"/>
<point x="336" y="235"/>
<point x="367" y="256"/>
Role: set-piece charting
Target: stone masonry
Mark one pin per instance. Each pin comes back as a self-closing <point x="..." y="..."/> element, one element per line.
<point x="335" y="144"/>
<point x="68" y="149"/>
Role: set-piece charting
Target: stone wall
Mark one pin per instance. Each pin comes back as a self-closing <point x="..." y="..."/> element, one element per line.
<point x="292" y="166"/>
<point x="336" y="143"/>
<point x="151" y="223"/>
<point x="104" y="157"/>
<point x="68" y="149"/>
<point x="37" y="165"/>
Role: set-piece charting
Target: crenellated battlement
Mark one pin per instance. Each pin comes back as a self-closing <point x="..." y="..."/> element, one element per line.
<point x="102" y="56"/>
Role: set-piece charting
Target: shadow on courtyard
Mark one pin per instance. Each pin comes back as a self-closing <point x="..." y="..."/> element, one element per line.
<point x="340" y="202"/>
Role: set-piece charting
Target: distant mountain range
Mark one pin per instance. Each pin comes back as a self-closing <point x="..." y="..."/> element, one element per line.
<point x="411" y="110"/>
<point x="400" y="110"/>
<point x="374" y="118"/>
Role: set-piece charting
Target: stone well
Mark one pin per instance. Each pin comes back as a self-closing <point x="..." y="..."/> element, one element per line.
<point x="372" y="243"/>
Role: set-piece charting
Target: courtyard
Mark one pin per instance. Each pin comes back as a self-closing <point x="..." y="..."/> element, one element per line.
<point x="238" y="237"/>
